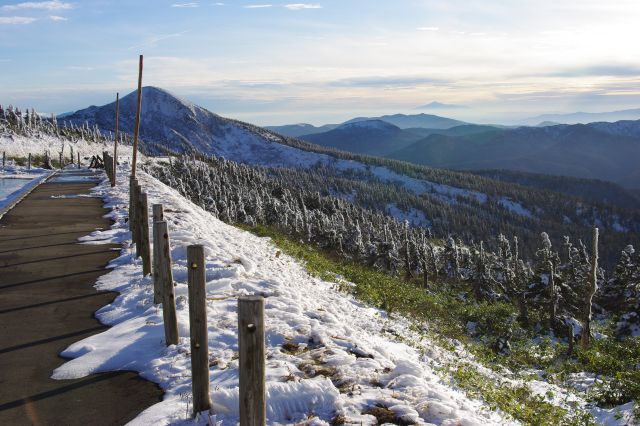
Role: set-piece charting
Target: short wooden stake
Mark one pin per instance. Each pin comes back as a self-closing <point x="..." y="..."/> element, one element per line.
<point x="164" y="279"/>
<point x="4" y="158"/>
<point x="78" y="160"/>
<point x="198" y="328"/>
<point x="253" y="410"/>
<point x="29" y="163"/>
<point x="158" y="212"/>
<point x="137" y="190"/>
<point x="143" y="220"/>
<point x="106" y="164"/>
<point x="132" y="211"/>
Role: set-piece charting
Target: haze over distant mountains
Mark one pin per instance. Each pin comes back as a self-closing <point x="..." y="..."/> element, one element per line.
<point x="599" y="150"/>
<point x="583" y="117"/>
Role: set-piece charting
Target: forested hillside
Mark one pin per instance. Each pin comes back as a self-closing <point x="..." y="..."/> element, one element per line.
<point x="506" y="304"/>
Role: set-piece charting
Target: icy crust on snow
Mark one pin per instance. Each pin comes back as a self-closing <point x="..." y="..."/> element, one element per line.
<point x="341" y="356"/>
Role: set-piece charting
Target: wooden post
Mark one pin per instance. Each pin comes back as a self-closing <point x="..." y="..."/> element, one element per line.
<point x="4" y="159"/>
<point x="105" y="158"/>
<point x="164" y="278"/>
<point x="60" y="160"/>
<point x="143" y="220"/>
<point x="136" y="193"/>
<point x="78" y="160"/>
<point x="133" y="207"/>
<point x="157" y="279"/>
<point x="29" y="163"/>
<point x="252" y="361"/>
<point x="157" y="267"/>
<point x="137" y="128"/>
<point x="158" y="212"/>
<point x="198" y="328"/>
<point x="115" y="141"/>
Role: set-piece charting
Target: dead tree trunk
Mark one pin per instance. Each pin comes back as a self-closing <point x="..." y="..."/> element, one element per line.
<point x="592" y="287"/>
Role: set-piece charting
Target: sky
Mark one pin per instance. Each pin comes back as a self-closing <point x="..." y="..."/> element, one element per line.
<point x="280" y="62"/>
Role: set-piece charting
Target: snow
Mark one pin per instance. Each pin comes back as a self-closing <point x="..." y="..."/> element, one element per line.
<point x="21" y="146"/>
<point x="16" y="181"/>
<point x="368" y="124"/>
<point x="414" y="216"/>
<point x="349" y="356"/>
<point x="515" y="207"/>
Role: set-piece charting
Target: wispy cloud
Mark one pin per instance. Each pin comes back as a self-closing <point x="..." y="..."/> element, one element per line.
<point x="16" y="20"/>
<point x="218" y="4"/>
<point x="301" y="6"/>
<point x="153" y="40"/>
<point x="57" y="18"/>
<point x="257" y="6"/>
<point x="79" y="68"/>
<point x="427" y="28"/>
<point x="46" y="5"/>
<point x="186" y="5"/>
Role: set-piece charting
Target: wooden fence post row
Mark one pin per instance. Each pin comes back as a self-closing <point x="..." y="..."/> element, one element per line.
<point x="198" y="328"/>
<point x="253" y="410"/>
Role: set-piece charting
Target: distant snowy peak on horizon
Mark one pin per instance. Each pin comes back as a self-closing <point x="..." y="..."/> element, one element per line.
<point x="440" y="105"/>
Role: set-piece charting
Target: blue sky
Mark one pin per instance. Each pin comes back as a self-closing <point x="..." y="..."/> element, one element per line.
<point x="275" y="62"/>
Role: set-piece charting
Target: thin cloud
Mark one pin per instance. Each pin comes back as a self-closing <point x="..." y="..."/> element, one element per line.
<point x="257" y="6"/>
<point x="186" y="5"/>
<point x="218" y="4"/>
<point x="301" y="6"/>
<point x="427" y="28"/>
<point x="57" y="18"/>
<point x="46" y="5"/>
<point x="16" y="20"/>
<point x="152" y="41"/>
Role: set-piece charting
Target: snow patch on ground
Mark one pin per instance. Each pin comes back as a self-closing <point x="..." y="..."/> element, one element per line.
<point x="413" y="216"/>
<point x="342" y="356"/>
<point x="514" y="207"/>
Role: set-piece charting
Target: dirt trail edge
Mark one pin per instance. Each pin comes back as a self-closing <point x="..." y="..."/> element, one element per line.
<point x="47" y="302"/>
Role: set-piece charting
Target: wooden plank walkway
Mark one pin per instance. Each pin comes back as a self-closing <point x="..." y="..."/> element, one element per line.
<point x="47" y="302"/>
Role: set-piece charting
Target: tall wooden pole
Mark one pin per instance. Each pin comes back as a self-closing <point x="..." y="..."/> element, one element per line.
<point x="115" y="142"/>
<point x="137" y="129"/>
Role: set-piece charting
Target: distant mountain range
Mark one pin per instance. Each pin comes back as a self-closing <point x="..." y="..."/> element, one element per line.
<point x="608" y="151"/>
<point x="583" y="117"/>
<point x="301" y="129"/>
<point x="404" y="121"/>
<point x="599" y="150"/>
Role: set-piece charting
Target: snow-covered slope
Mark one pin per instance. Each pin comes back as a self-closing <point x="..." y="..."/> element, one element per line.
<point x="340" y="356"/>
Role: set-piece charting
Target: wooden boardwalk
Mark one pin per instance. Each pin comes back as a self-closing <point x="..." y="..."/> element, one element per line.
<point x="47" y="302"/>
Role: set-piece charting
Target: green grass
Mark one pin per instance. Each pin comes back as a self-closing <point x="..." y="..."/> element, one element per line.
<point x="447" y="314"/>
<point x="517" y="400"/>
